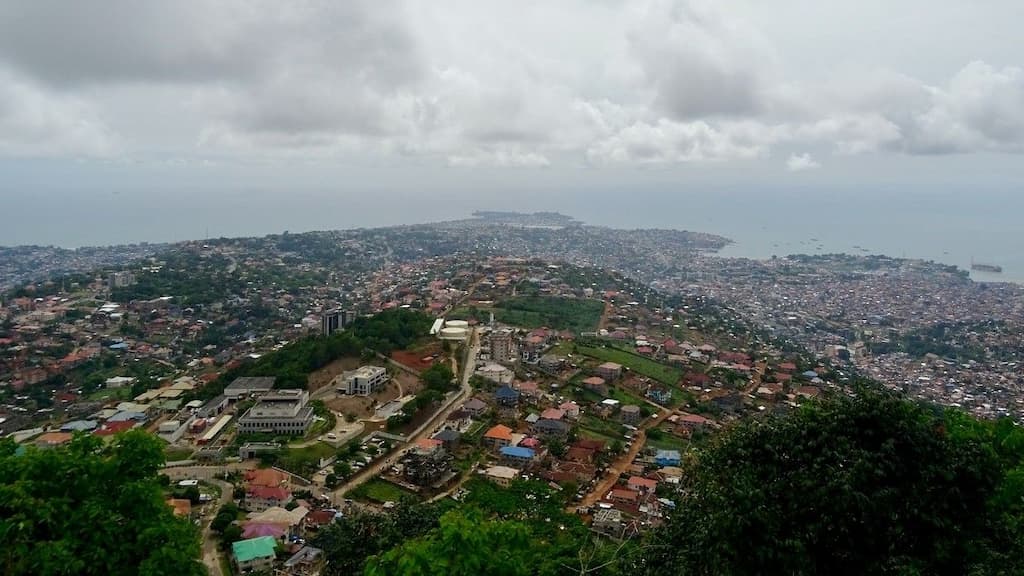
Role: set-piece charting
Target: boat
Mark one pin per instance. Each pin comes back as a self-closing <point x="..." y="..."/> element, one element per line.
<point x="979" y="267"/>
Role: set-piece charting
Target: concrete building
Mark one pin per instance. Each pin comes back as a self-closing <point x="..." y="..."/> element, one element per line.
<point x="246" y="386"/>
<point x="501" y="346"/>
<point x="121" y="279"/>
<point x="255" y="553"/>
<point x="630" y="414"/>
<point x="363" y="381"/>
<point x="501" y="475"/>
<point x="330" y="322"/>
<point x="279" y="412"/>
<point x="609" y="371"/>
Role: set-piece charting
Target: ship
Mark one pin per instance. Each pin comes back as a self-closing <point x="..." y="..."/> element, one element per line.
<point x="979" y="267"/>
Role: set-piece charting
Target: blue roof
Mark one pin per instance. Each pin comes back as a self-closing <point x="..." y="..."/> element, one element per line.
<point x="517" y="452"/>
<point x="125" y="416"/>
<point x="667" y="455"/>
<point x="811" y="374"/>
<point x="506" y="392"/>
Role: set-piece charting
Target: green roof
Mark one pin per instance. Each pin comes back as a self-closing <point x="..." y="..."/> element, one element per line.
<point x="246" y="550"/>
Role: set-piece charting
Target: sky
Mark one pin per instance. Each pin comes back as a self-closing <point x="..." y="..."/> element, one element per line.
<point x="479" y="99"/>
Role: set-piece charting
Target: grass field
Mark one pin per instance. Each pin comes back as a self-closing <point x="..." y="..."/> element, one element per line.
<point x="545" y="311"/>
<point x="607" y="429"/>
<point x="111" y="394"/>
<point x="176" y="454"/>
<point x="378" y="490"/>
<point x="668" y="375"/>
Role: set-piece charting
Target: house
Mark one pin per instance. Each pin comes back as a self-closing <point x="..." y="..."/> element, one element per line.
<point x="667" y="458"/>
<point x="51" y="439"/>
<point x="622" y="496"/>
<point x="506" y="396"/>
<point x="630" y="414"/>
<point x="553" y="414"/>
<point x="690" y="423"/>
<point x="308" y="561"/>
<point x="642" y="485"/>
<point x="547" y="428"/>
<point x="608" y="521"/>
<point x="595" y="384"/>
<point x="449" y="438"/>
<point x="260" y="498"/>
<point x="474" y="407"/>
<point x="498" y="437"/>
<point x="254" y="553"/>
<point x="571" y="409"/>
<point x="609" y="371"/>
<point x="258" y="529"/>
<point x="518" y="456"/>
<point x="501" y="475"/>
<point x="660" y="395"/>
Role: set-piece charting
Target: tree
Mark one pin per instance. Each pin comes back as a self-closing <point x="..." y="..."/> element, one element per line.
<point x="231" y="534"/>
<point x="86" y="508"/>
<point x="873" y="484"/>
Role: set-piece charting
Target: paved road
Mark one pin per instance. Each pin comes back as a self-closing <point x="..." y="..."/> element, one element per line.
<point x="424" y="430"/>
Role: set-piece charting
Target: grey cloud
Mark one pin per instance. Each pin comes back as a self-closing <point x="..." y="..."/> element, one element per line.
<point x="36" y="123"/>
<point x="697" y="63"/>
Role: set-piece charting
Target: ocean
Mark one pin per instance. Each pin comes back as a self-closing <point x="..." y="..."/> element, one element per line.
<point x="952" y="229"/>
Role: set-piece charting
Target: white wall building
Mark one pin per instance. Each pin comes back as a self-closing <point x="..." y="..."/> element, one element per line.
<point x="363" y="381"/>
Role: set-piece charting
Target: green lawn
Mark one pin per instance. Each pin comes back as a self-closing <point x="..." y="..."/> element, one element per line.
<point x="609" y="429"/>
<point x="303" y="461"/>
<point x="668" y="375"/>
<point x="574" y="314"/>
<point x="111" y="394"/>
<point x="378" y="490"/>
<point x="174" y="454"/>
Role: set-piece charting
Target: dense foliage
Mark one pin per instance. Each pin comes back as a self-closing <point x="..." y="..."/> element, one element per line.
<point x="86" y="508"/>
<point x="578" y="315"/>
<point x="513" y="531"/>
<point x="350" y="541"/>
<point x="292" y="364"/>
<point x="873" y="484"/>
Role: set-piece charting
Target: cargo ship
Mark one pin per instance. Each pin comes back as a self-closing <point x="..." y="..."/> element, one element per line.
<point x="978" y="266"/>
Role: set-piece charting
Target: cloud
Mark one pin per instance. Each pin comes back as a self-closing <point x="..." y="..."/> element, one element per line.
<point x="35" y="123"/>
<point x="801" y="163"/>
<point x="697" y="61"/>
<point x="505" y="157"/>
<point x="667" y="141"/>
<point x="525" y="85"/>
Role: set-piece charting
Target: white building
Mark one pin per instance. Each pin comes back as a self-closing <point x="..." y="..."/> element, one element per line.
<point x="364" y="381"/>
<point x="279" y="412"/>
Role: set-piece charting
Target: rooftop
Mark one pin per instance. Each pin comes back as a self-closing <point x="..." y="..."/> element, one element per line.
<point x="253" y="548"/>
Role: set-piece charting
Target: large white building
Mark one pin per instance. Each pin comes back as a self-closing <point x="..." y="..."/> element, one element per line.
<point x="279" y="412"/>
<point x="364" y="381"/>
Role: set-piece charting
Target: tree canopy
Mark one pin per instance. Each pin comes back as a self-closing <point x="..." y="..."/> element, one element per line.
<point x="85" y="508"/>
<point x="871" y="484"/>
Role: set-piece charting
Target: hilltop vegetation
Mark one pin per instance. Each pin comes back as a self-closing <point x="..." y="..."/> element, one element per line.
<point x="293" y="363"/>
<point x="874" y="484"/>
<point x="574" y="314"/>
<point x="871" y="484"/>
<point x="86" y="508"/>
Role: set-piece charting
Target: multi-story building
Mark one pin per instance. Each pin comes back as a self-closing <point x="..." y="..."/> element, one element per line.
<point x="501" y="346"/>
<point x="279" y="412"/>
<point x="363" y="381"/>
<point x="121" y="279"/>
<point x="330" y="322"/>
<point x="255" y="553"/>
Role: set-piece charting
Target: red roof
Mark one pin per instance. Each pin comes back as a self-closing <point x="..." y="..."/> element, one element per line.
<point x="111" y="428"/>
<point x="268" y="492"/>
<point x="641" y="482"/>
